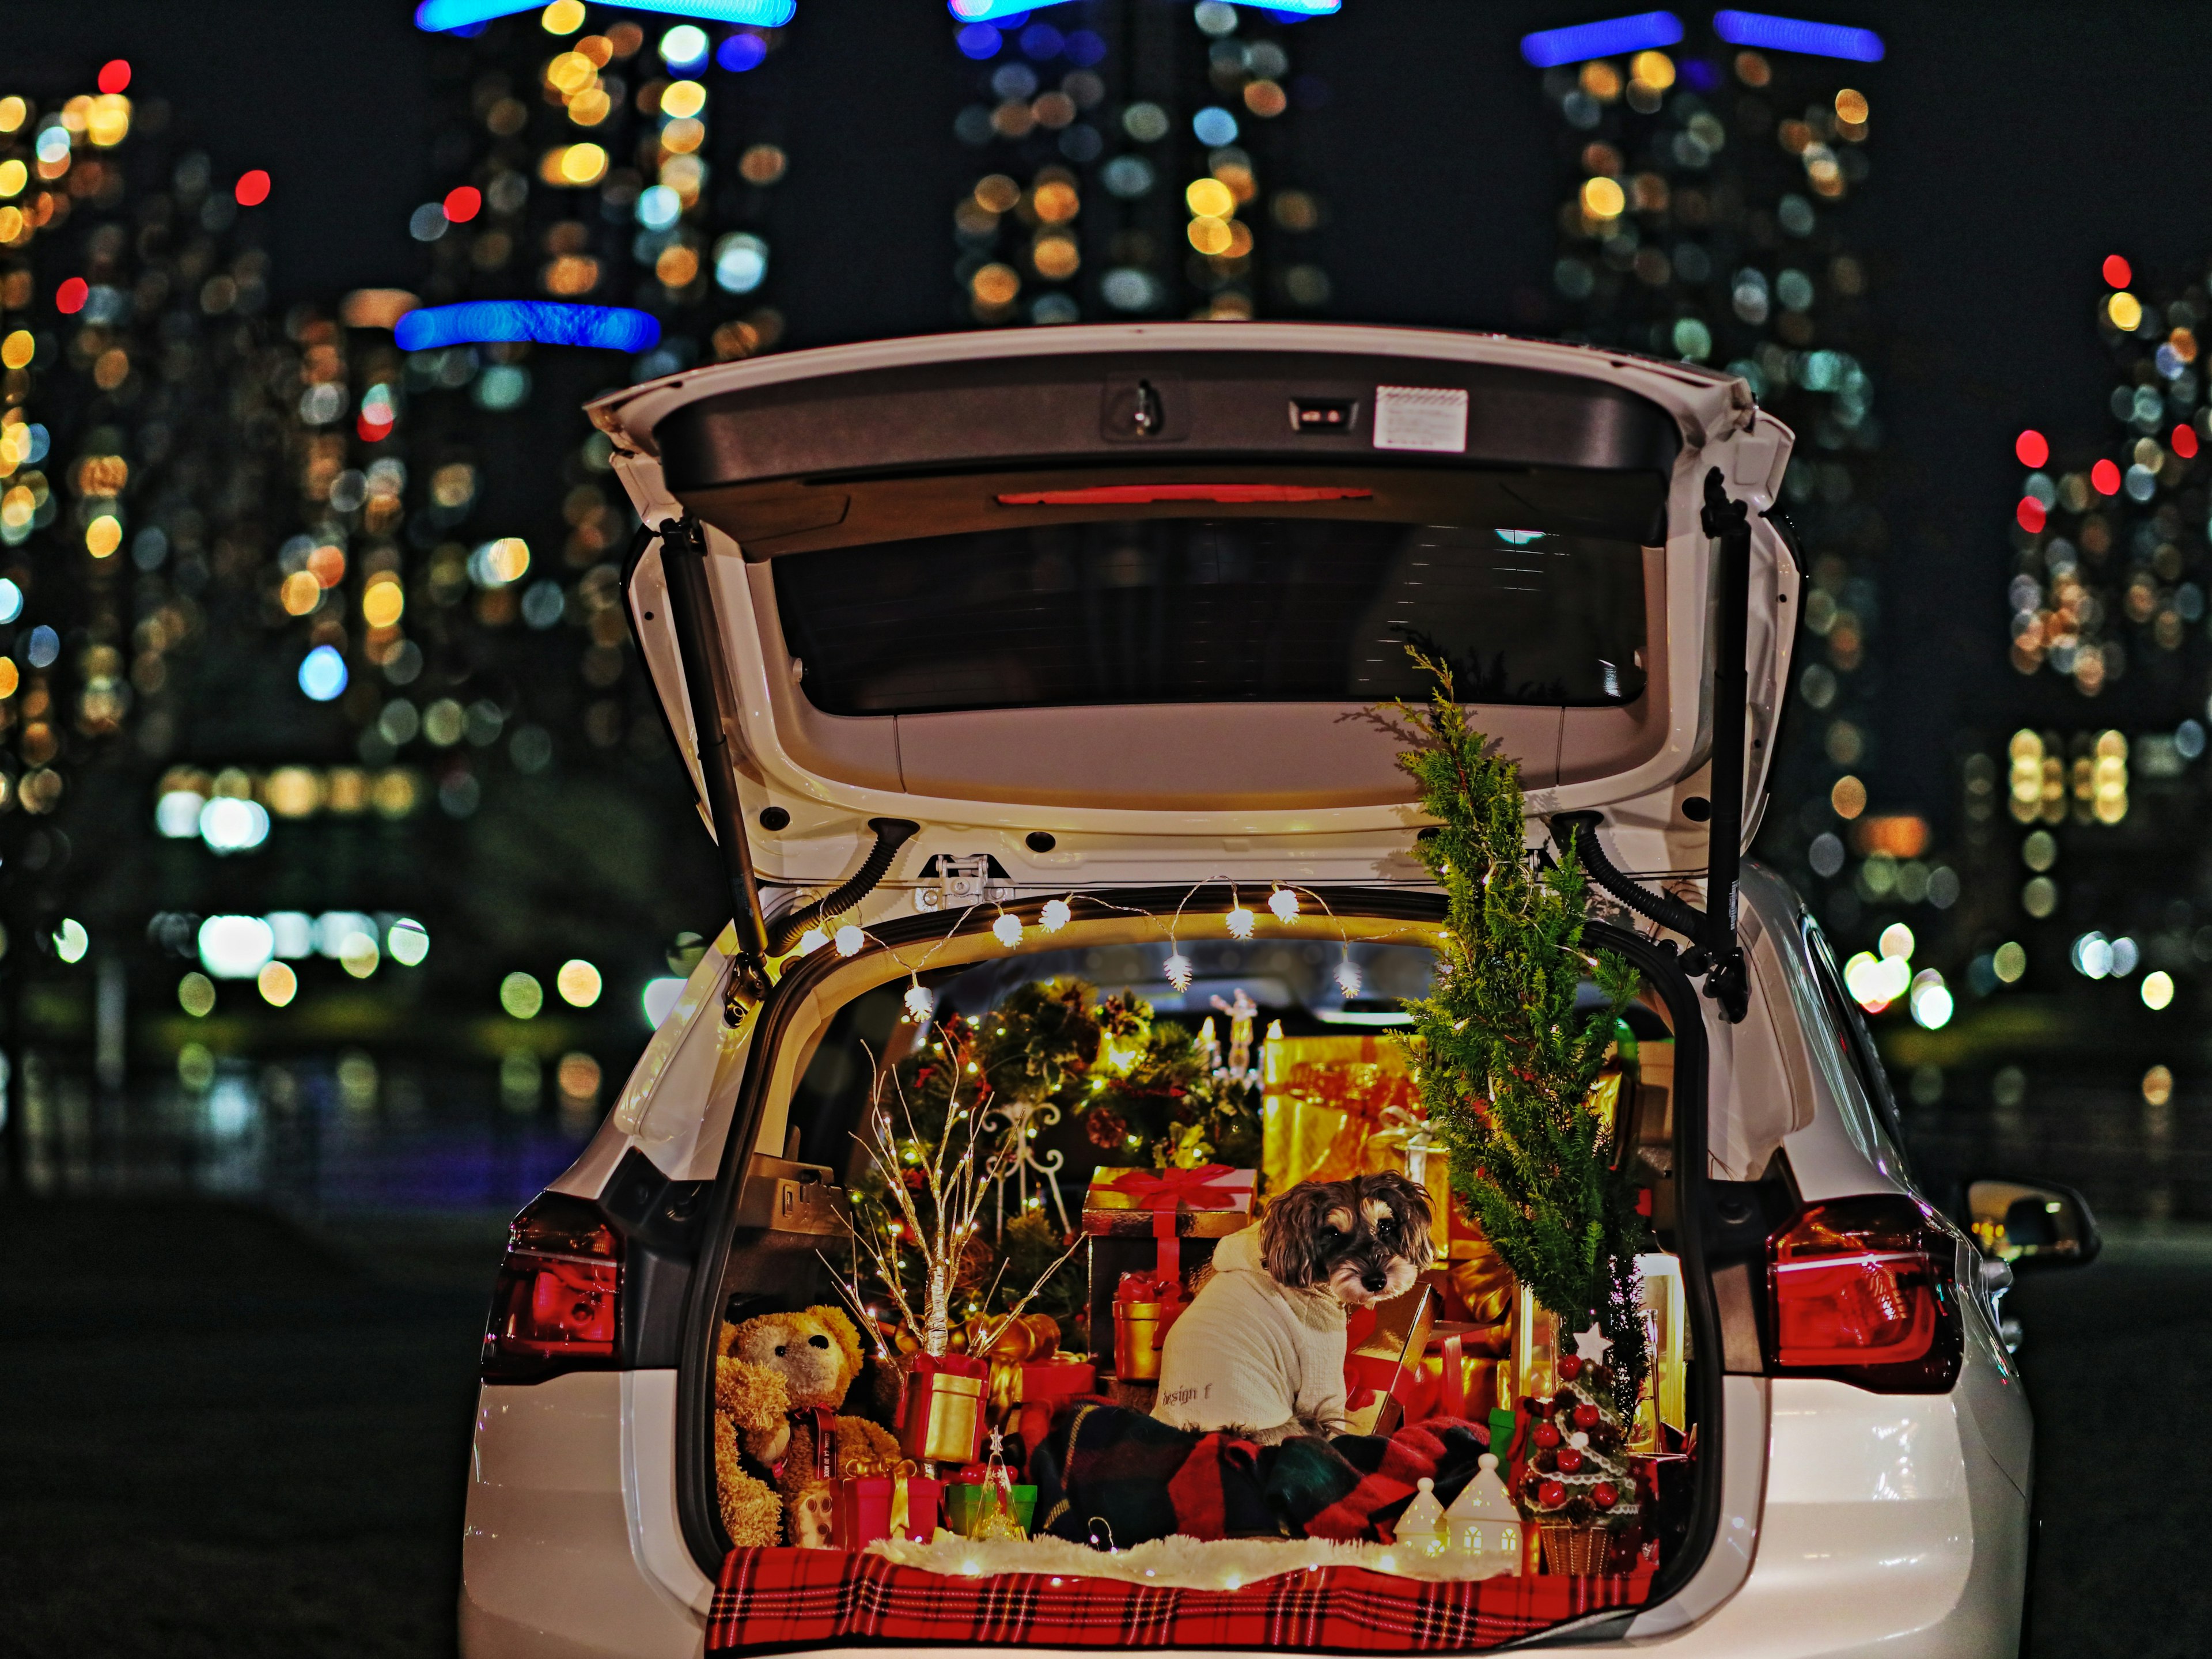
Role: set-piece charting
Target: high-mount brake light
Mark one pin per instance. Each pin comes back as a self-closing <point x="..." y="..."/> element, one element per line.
<point x="554" y="1306"/>
<point x="1863" y="1292"/>
<point x="1236" y="495"/>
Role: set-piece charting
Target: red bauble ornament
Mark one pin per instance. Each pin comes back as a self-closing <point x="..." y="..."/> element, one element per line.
<point x="1570" y="1366"/>
<point x="1605" y="1494"/>
<point x="1571" y="1461"/>
<point x="1546" y="1436"/>
<point x="1586" y="1416"/>
<point x="1551" y="1495"/>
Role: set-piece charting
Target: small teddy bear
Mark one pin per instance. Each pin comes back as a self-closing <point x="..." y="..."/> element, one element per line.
<point x="771" y="1374"/>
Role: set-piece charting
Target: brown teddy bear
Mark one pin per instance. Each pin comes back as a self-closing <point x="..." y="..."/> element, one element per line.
<point x="770" y="1373"/>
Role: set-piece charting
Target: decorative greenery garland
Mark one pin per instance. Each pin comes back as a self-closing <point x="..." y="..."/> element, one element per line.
<point x="1504" y="1063"/>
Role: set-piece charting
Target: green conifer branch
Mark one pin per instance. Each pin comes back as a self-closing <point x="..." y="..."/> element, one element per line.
<point x="1503" y="1062"/>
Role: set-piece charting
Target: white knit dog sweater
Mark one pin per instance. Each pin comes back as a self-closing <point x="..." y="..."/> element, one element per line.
<point x="1251" y="1354"/>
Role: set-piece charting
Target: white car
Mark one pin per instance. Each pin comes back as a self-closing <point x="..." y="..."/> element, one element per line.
<point x="1096" y="615"/>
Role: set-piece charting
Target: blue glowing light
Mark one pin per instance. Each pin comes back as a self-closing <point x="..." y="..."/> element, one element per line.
<point x="43" y="646"/>
<point x="11" y="600"/>
<point x="977" y="41"/>
<point x="1609" y="39"/>
<point x="740" y="52"/>
<point x="1754" y="28"/>
<point x="1214" y="126"/>
<point x="438" y="16"/>
<point x="323" y="673"/>
<point x="1012" y="12"/>
<point x="548" y="322"/>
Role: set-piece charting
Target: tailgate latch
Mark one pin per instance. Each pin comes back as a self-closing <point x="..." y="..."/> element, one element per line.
<point x="961" y="882"/>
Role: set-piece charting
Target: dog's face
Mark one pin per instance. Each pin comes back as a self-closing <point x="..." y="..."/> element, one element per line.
<point x="1362" y="1240"/>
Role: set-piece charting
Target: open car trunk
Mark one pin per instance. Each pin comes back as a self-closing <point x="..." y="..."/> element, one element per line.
<point x="1009" y="657"/>
<point x="834" y="1026"/>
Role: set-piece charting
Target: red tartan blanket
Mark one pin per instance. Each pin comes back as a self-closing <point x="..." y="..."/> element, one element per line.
<point x="773" y="1600"/>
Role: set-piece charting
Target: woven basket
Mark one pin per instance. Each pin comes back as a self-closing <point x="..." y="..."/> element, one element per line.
<point x="1569" y="1548"/>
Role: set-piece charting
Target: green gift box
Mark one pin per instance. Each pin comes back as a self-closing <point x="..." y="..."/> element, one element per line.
<point x="968" y="1502"/>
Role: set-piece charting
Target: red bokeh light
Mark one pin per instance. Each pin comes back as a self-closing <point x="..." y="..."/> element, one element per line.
<point x="373" y="432"/>
<point x="2030" y="514"/>
<point x="2184" y="442"/>
<point x="2031" y="447"/>
<point x="2118" y="272"/>
<point x="69" y="297"/>
<point x="252" y="188"/>
<point x="2106" y="476"/>
<point x="114" y="74"/>
<point x="463" y="203"/>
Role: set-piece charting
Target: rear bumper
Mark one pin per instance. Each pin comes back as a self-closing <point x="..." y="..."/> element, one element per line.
<point x="1885" y="1528"/>
<point x="571" y="1548"/>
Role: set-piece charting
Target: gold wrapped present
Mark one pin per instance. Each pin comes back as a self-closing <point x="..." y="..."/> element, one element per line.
<point x="1321" y="1098"/>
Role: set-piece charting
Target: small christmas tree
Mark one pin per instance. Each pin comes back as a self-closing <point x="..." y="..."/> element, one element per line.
<point x="1577" y="1470"/>
<point x="1505" y="1061"/>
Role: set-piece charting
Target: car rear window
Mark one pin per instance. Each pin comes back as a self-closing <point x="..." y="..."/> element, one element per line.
<point x="1208" y="610"/>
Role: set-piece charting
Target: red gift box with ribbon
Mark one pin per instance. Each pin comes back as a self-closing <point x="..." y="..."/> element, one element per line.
<point x="900" y="1503"/>
<point x="940" y="1417"/>
<point x="1163" y="1223"/>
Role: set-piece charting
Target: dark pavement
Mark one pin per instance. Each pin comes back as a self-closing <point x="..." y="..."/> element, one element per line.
<point x="223" y="1434"/>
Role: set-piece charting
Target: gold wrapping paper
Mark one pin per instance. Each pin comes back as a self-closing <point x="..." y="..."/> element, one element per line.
<point x="1666" y="1316"/>
<point x="1140" y="1328"/>
<point x="944" y="1421"/>
<point x="1321" y="1098"/>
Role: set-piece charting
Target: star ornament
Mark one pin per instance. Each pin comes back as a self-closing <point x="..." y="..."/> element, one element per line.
<point x="1590" y="1346"/>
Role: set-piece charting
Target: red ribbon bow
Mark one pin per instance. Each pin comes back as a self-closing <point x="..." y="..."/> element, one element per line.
<point x="1164" y="1193"/>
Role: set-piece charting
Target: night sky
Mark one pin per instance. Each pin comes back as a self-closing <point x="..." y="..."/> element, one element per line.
<point x="2014" y="146"/>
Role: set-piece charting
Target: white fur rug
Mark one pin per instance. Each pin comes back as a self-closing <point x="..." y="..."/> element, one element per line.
<point x="1177" y="1563"/>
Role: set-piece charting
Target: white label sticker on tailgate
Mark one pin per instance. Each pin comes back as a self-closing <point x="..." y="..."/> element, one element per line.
<point x="1420" y="417"/>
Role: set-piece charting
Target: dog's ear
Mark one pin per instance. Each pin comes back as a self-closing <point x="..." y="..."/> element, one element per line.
<point x="1290" y="1231"/>
<point x="1410" y="1199"/>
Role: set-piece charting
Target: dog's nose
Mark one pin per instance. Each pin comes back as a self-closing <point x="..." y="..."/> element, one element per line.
<point x="1374" y="1281"/>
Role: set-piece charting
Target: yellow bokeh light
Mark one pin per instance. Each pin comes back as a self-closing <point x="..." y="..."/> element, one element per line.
<point x="681" y="137"/>
<point x="18" y="348"/>
<point x="2125" y="311"/>
<point x="14" y="111"/>
<point x="1603" y="198"/>
<point x="1848" y="798"/>
<point x="1851" y="106"/>
<point x="301" y="594"/>
<point x="1655" y="69"/>
<point x="505" y="560"/>
<point x="2157" y="990"/>
<point x="570" y="73"/>
<point x="578" y="982"/>
<point x="277" y="983"/>
<point x="677" y="265"/>
<point x="1210" y="235"/>
<point x="103" y="535"/>
<point x="293" y="792"/>
<point x="1209" y="199"/>
<point x="108" y="122"/>
<point x="996" y="193"/>
<point x="2158" y="1085"/>
<point x="10" y="677"/>
<point x="561" y="17"/>
<point x="14" y="175"/>
<point x="1056" y="202"/>
<point x="995" y="285"/>
<point x="382" y="602"/>
<point x="580" y="164"/>
<point x="11" y="225"/>
<point x="1601" y="81"/>
<point x="1055" y="257"/>
<point x="683" y="98"/>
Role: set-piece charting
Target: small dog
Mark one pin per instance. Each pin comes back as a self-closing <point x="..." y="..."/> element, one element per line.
<point x="1260" y="1349"/>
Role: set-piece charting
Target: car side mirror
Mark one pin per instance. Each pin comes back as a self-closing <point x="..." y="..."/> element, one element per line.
<point x="2031" y="1224"/>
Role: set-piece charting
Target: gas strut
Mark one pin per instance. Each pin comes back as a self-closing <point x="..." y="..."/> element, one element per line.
<point x="1715" y="952"/>
<point x="692" y="609"/>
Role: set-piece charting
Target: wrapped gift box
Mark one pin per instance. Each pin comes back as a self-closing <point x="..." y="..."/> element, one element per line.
<point x="1383" y="1366"/>
<point x="1320" y="1097"/>
<point x="866" y="1507"/>
<point x="1161" y="1222"/>
<point x="941" y="1410"/>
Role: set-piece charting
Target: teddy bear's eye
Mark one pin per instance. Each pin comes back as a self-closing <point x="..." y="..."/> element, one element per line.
<point x="780" y="1351"/>
<point x="818" y="1341"/>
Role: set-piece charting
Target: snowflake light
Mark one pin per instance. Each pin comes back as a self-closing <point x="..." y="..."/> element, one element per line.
<point x="1179" y="971"/>
<point x="849" y="940"/>
<point x="1007" y="930"/>
<point x="1285" y="904"/>
<point x="1054" y="916"/>
<point x="1347" y="978"/>
<point x="920" y="1002"/>
<point x="1240" y="922"/>
<point x="812" y="940"/>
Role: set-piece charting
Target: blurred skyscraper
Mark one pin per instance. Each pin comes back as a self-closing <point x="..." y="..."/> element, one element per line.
<point x="1144" y="162"/>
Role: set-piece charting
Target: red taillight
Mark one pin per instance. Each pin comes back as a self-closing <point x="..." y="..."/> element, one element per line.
<point x="1139" y="494"/>
<point x="1863" y="1291"/>
<point x="560" y="1284"/>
